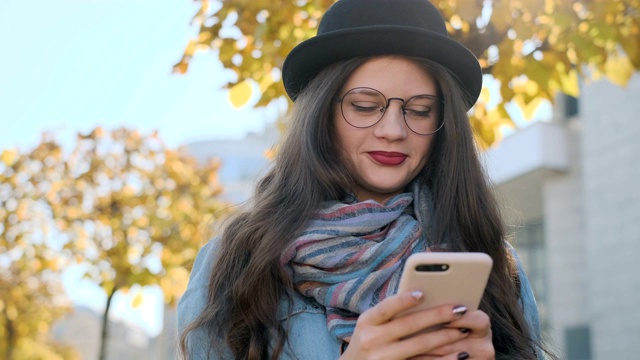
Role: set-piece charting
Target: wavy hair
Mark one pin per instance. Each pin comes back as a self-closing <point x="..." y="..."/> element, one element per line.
<point x="309" y="169"/>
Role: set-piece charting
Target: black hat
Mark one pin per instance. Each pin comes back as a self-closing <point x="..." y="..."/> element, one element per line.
<point x="352" y="28"/>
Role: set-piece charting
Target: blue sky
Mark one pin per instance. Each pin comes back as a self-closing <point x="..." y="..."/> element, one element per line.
<point x="71" y="65"/>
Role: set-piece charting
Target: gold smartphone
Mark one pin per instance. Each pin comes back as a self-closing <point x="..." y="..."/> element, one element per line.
<point x="446" y="278"/>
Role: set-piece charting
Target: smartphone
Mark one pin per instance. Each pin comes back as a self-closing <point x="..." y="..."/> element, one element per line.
<point x="456" y="278"/>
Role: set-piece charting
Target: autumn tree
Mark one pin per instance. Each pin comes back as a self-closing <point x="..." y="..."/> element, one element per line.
<point x="135" y="211"/>
<point x="31" y="295"/>
<point x="533" y="49"/>
<point x="121" y="203"/>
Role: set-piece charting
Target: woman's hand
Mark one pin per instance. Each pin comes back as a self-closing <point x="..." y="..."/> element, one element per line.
<point x="379" y="334"/>
<point x="478" y="345"/>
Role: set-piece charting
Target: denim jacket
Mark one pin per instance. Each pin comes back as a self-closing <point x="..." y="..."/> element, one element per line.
<point x="308" y="334"/>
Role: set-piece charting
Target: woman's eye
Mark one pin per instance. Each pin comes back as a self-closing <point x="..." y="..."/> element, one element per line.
<point x="365" y="107"/>
<point x="418" y="113"/>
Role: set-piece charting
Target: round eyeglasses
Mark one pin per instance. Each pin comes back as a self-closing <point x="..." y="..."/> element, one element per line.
<point x="363" y="107"/>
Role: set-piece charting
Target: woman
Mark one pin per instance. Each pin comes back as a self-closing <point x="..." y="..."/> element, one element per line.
<point x="379" y="163"/>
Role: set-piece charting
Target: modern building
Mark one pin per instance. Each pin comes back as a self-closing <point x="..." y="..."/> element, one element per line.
<point x="570" y="189"/>
<point x="243" y="161"/>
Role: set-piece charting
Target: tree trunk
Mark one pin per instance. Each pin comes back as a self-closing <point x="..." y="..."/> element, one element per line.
<point x="105" y="325"/>
<point x="11" y="336"/>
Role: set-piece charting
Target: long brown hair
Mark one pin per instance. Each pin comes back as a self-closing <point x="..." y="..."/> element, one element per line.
<point x="307" y="170"/>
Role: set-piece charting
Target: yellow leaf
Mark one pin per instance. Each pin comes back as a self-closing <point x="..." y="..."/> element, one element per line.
<point x="530" y="109"/>
<point x="531" y="88"/>
<point x="55" y="264"/>
<point x="505" y="118"/>
<point x="485" y="95"/>
<point x="181" y="67"/>
<point x="190" y="49"/>
<point x="138" y="298"/>
<point x="266" y="81"/>
<point x="9" y="156"/>
<point x="569" y="83"/>
<point x="480" y="110"/>
<point x="484" y="134"/>
<point x="240" y="94"/>
<point x="618" y="69"/>
<point x="488" y="135"/>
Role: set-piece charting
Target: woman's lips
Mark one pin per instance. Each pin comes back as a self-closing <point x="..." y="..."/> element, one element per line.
<point x="388" y="158"/>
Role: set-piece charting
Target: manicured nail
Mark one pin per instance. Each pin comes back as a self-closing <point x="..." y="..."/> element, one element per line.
<point x="464" y="330"/>
<point x="416" y="295"/>
<point x="459" y="310"/>
<point x="463" y="355"/>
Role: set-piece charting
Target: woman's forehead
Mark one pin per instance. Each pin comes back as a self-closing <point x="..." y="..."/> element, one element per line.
<point x="395" y="76"/>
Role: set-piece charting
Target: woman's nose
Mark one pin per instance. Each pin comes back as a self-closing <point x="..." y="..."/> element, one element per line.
<point x="392" y="126"/>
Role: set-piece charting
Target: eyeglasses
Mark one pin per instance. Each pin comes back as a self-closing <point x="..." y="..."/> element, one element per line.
<point x="364" y="107"/>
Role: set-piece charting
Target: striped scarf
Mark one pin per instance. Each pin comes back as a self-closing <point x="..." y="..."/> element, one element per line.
<point x="351" y="255"/>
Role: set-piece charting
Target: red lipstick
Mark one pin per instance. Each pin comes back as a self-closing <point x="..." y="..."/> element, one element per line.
<point x="388" y="158"/>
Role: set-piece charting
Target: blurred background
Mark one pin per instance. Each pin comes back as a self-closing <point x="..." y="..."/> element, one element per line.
<point x="130" y="128"/>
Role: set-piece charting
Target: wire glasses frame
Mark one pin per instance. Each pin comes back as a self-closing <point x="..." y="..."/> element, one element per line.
<point x="363" y="107"/>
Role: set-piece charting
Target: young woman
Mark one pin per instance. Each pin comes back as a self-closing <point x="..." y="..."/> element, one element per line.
<point x="379" y="163"/>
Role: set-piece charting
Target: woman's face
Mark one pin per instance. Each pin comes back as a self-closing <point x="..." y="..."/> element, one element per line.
<point x="387" y="155"/>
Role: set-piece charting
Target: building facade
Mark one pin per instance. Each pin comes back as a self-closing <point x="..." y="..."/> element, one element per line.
<point x="243" y="161"/>
<point x="570" y="191"/>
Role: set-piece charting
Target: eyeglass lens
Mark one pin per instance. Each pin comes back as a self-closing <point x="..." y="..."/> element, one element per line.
<point x="364" y="107"/>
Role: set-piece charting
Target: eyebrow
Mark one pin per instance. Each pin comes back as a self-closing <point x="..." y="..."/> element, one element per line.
<point x="370" y="90"/>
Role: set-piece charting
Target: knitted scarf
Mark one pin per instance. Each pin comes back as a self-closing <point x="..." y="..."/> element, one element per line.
<point x="351" y="255"/>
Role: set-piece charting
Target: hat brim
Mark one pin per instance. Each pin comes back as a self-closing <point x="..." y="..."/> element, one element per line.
<point x="307" y="59"/>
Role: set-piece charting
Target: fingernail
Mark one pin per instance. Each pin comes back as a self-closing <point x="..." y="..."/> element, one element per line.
<point x="416" y="295"/>
<point x="463" y="355"/>
<point x="464" y="330"/>
<point x="459" y="310"/>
